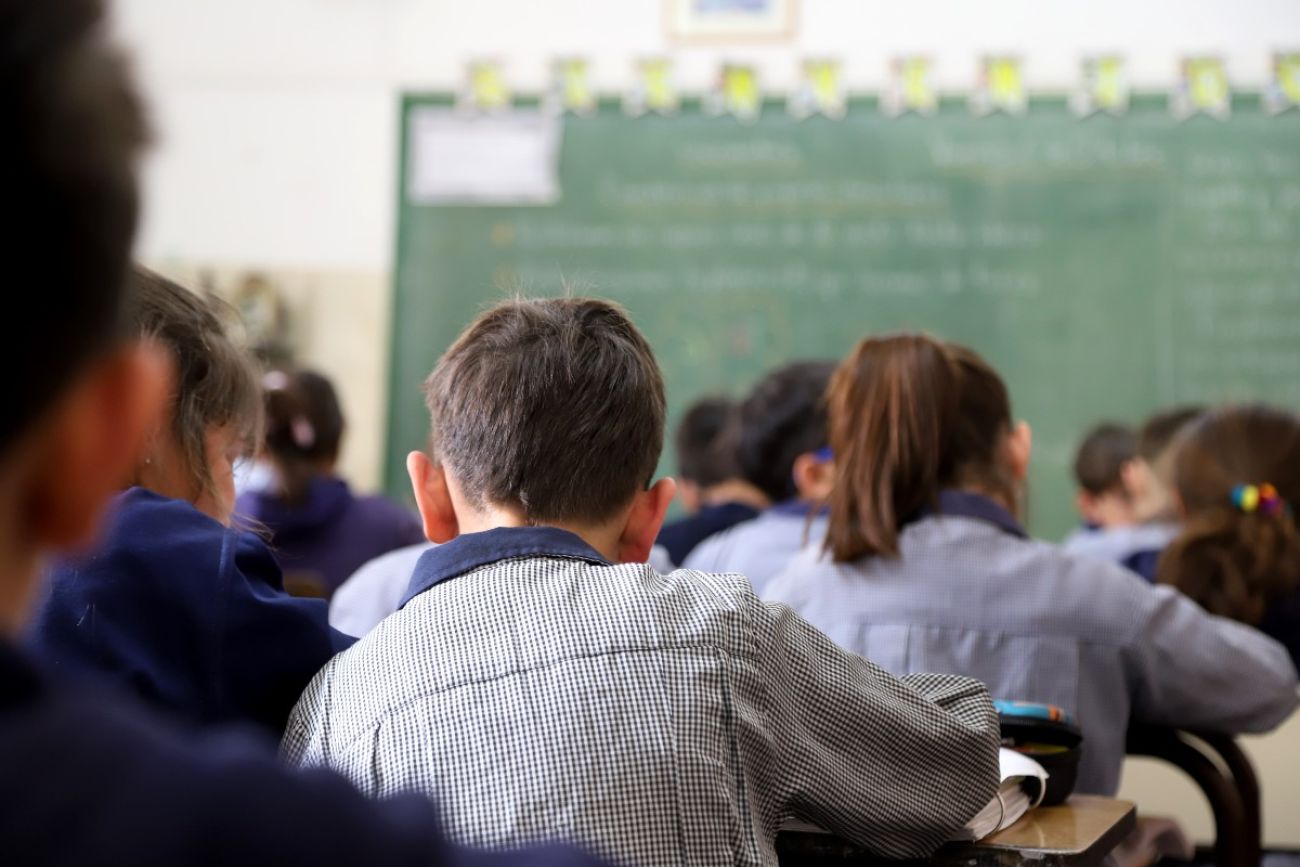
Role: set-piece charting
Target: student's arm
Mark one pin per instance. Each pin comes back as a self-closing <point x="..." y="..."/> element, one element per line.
<point x="273" y="643"/>
<point x="893" y="765"/>
<point x="1190" y="669"/>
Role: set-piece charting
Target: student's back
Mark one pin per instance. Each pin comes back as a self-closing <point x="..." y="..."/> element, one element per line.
<point x="970" y="594"/>
<point x="89" y="779"/>
<point x="322" y="532"/>
<point x="928" y="569"/>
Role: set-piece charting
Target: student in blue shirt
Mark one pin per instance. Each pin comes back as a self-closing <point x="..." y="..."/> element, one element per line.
<point x="88" y="777"/>
<point x="1237" y="477"/>
<point x="320" y="529"/>
<point x="926" y="566"/>
<point x="709" y="483"/>
<point x="782" y="452"/>
<point x="173" y="603"/>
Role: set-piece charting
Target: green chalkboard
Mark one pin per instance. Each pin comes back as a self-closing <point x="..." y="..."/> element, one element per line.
<point x="1106" y="265"/>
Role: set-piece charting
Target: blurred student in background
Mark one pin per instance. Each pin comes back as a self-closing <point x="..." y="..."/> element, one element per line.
<point x="320" y="530"/>
<point x="90" y="778"/>
<point x="1237" y="477"/>
<point x="174" y="604"/>
<point x="781" y="449"/>
<point x="1151" y="479"/>
<point x="709" y="483"/>
<point x="926" y="565"/>
<point x="1104" y="468"/>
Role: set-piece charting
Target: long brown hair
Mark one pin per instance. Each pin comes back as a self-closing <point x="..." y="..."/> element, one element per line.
<point x="1236" y="562"/>
<point x="909" y="416"/>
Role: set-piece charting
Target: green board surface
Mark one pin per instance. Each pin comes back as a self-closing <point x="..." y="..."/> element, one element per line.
<point x="1106" y="266"/>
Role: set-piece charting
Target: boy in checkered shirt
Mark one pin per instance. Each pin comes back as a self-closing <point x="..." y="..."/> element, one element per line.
<point x="543" y="682"/>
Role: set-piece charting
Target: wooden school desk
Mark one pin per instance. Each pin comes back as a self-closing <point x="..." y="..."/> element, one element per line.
<point x="1079" y="833"/>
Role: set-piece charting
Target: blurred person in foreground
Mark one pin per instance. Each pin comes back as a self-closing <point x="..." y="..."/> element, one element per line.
<point x="89" y="778"/>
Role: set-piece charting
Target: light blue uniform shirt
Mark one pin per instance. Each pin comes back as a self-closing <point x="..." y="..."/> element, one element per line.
<point x="1117" y="544"/>
<point x="971" y="595"/>
<point x="759" y="548"/>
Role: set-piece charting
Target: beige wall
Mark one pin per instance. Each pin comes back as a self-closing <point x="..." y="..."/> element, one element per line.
<point x="1161" y="790"/>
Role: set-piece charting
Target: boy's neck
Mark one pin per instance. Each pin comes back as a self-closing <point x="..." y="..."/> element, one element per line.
<point x="604" y="538"/>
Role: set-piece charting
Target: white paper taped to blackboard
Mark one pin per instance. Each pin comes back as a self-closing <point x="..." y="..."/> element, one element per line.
<point x="483" y="159"/>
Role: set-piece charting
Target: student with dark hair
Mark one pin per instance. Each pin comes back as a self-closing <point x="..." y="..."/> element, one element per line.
<point x="1150" y="478"/>
<point x="541" y="679"/>
<point x="89" y="778"/>
<point x="173" y="603"/>
<point x="782" y="452"/>
<point x="1103" y="500"/>
<point x="926" y="563"/>
<point x="1237" y="477"/>
<point x="321" y="531"/>
<point x="1104" y="467"/>
<point x="709" y="483"/>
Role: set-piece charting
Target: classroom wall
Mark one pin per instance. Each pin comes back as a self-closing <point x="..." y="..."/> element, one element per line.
<point x="276" y="121"/>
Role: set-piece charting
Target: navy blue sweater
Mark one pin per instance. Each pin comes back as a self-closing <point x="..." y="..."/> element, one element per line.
<point x="88" y="779"/>
<point x="186" y="612"/>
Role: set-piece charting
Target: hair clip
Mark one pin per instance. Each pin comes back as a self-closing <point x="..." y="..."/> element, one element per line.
<point x="824" y="455"/>
<point x="1258" y="498"/>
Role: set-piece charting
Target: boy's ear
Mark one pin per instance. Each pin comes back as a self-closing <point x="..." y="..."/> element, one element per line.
<point x="432" y="498"/>
<point x="813" y="477"/>
<point x="644" y="520"/>
<point x="92" y="441"/>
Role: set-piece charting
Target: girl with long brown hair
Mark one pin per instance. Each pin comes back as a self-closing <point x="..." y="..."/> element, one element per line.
<point x="1237" y="477"/>
<point x="926" y="567"/>
<point x="174" y="603"/>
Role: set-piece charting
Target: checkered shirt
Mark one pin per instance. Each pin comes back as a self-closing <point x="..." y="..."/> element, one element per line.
<point x="656" y="719"/>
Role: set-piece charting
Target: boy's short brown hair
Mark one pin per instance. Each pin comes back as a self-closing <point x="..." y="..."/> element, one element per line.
<point x="551" y="406"/>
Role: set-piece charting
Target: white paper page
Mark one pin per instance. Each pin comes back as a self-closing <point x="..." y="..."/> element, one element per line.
<point x="457" y="158"/>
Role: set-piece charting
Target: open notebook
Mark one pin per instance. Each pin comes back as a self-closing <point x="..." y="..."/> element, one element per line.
<point x="1023" y="783"/>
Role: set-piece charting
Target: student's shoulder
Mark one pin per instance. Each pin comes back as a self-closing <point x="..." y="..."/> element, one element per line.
<point x="165" y="795"/>
<point x="716" y="551"/>
<point x="1104" y="601"/>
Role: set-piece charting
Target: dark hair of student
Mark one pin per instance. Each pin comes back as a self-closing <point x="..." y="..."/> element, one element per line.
<point x="215" y="384"/>
<point x="74" y="129"/>
<point x="705" y="440"/>
<point x="304" y="428"/>
<point x="1236" y="561"/>
<point x="1099" y="463"/>
<point x="782" y="418"/>
<point x="553" y="407"/>
<point x="1158" y="432"/>
<point x="910" y="415"/>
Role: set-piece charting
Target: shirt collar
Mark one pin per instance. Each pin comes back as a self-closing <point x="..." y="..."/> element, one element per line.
<point x="797" y="508"/>
<point x="472" y="550"/>
<point x="963" y="504"/>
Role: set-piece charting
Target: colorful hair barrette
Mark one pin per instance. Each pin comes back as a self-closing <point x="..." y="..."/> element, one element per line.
<point x="1257" y="498"/>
